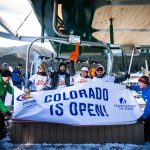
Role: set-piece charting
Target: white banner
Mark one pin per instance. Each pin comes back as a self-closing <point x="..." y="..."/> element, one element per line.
<point x="93" y="103"/>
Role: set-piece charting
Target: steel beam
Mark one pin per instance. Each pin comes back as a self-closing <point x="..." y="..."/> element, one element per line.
<point x="7" y="27"/>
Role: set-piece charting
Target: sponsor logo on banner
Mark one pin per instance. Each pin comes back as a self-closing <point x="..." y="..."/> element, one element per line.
<point x="123" y="105"/>
<point x="26" y="100"/>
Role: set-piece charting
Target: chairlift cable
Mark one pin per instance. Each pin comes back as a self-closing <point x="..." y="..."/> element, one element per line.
<point x="24" y="21"/>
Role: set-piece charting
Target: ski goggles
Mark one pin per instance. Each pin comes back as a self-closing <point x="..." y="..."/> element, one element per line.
<point x="19" y="67"/>
<point x="100" y="69"/>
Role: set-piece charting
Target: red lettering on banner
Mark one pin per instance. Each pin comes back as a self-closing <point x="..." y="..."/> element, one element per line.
<point x="40" y="82"/>
<point x="62" y="82"/>
<point x="82" y="81"/>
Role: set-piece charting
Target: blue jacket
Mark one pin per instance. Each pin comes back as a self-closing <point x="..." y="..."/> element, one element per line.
<point x="146" y="97"/>
<point x="17" y="78"/>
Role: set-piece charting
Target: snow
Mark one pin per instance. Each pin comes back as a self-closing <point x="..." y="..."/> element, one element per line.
<point x="5" y="144"/>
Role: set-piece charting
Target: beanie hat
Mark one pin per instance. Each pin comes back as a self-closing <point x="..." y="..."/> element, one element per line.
<point x="19" y="66"/>
<point x="62" y="64"/>
<point x="6" y="73"/>
<point x="144" y="79"/>
<point x="85" y="69"/>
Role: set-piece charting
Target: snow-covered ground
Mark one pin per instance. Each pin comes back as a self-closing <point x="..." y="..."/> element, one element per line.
<point x="5" y="144"/>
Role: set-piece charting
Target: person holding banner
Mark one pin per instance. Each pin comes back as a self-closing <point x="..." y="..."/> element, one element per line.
<point x="144" y="86"/>
<point x="38" y="81"/>
<point x="61" y="78"/>
<point x="82" y="77"/>
<point x="101" y="74"/>
<point x="4" y="88"/>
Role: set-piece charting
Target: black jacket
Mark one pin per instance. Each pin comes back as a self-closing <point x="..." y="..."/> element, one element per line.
<point x="55" y="79"/>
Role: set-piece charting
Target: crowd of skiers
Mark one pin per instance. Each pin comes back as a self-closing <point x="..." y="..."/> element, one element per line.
<point x="63" y="78"/>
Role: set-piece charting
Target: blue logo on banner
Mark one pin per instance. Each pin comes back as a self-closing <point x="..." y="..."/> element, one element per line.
<point x="124" y="106"/>
<point x="122" y="101"/>
<point x="24" y="97"/>
<point x="26" y="100"/>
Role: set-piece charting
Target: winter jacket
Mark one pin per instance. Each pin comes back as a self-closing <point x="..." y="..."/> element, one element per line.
<point x="108" y="78"/>
<point x="77" y="78"/>
<point x="4" y="88"/>
<point x="146" y="97"/>
<point x="105" y="78"/>
<point x="55" y="79"/>
<point x="37" y="82"/>
<point x="17" y="78"/>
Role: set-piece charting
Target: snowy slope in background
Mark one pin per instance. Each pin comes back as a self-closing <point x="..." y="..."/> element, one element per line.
<point x="22" y="50"/>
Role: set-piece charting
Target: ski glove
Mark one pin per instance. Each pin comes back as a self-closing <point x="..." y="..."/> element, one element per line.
<point x="8" y="114"/>
<point x="27" y="90"/>
<point x="127" y="75"/>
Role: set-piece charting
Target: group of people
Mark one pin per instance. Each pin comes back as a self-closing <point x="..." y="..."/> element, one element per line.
<point x="62" y="78"/>
<point x="17" y="76"/>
